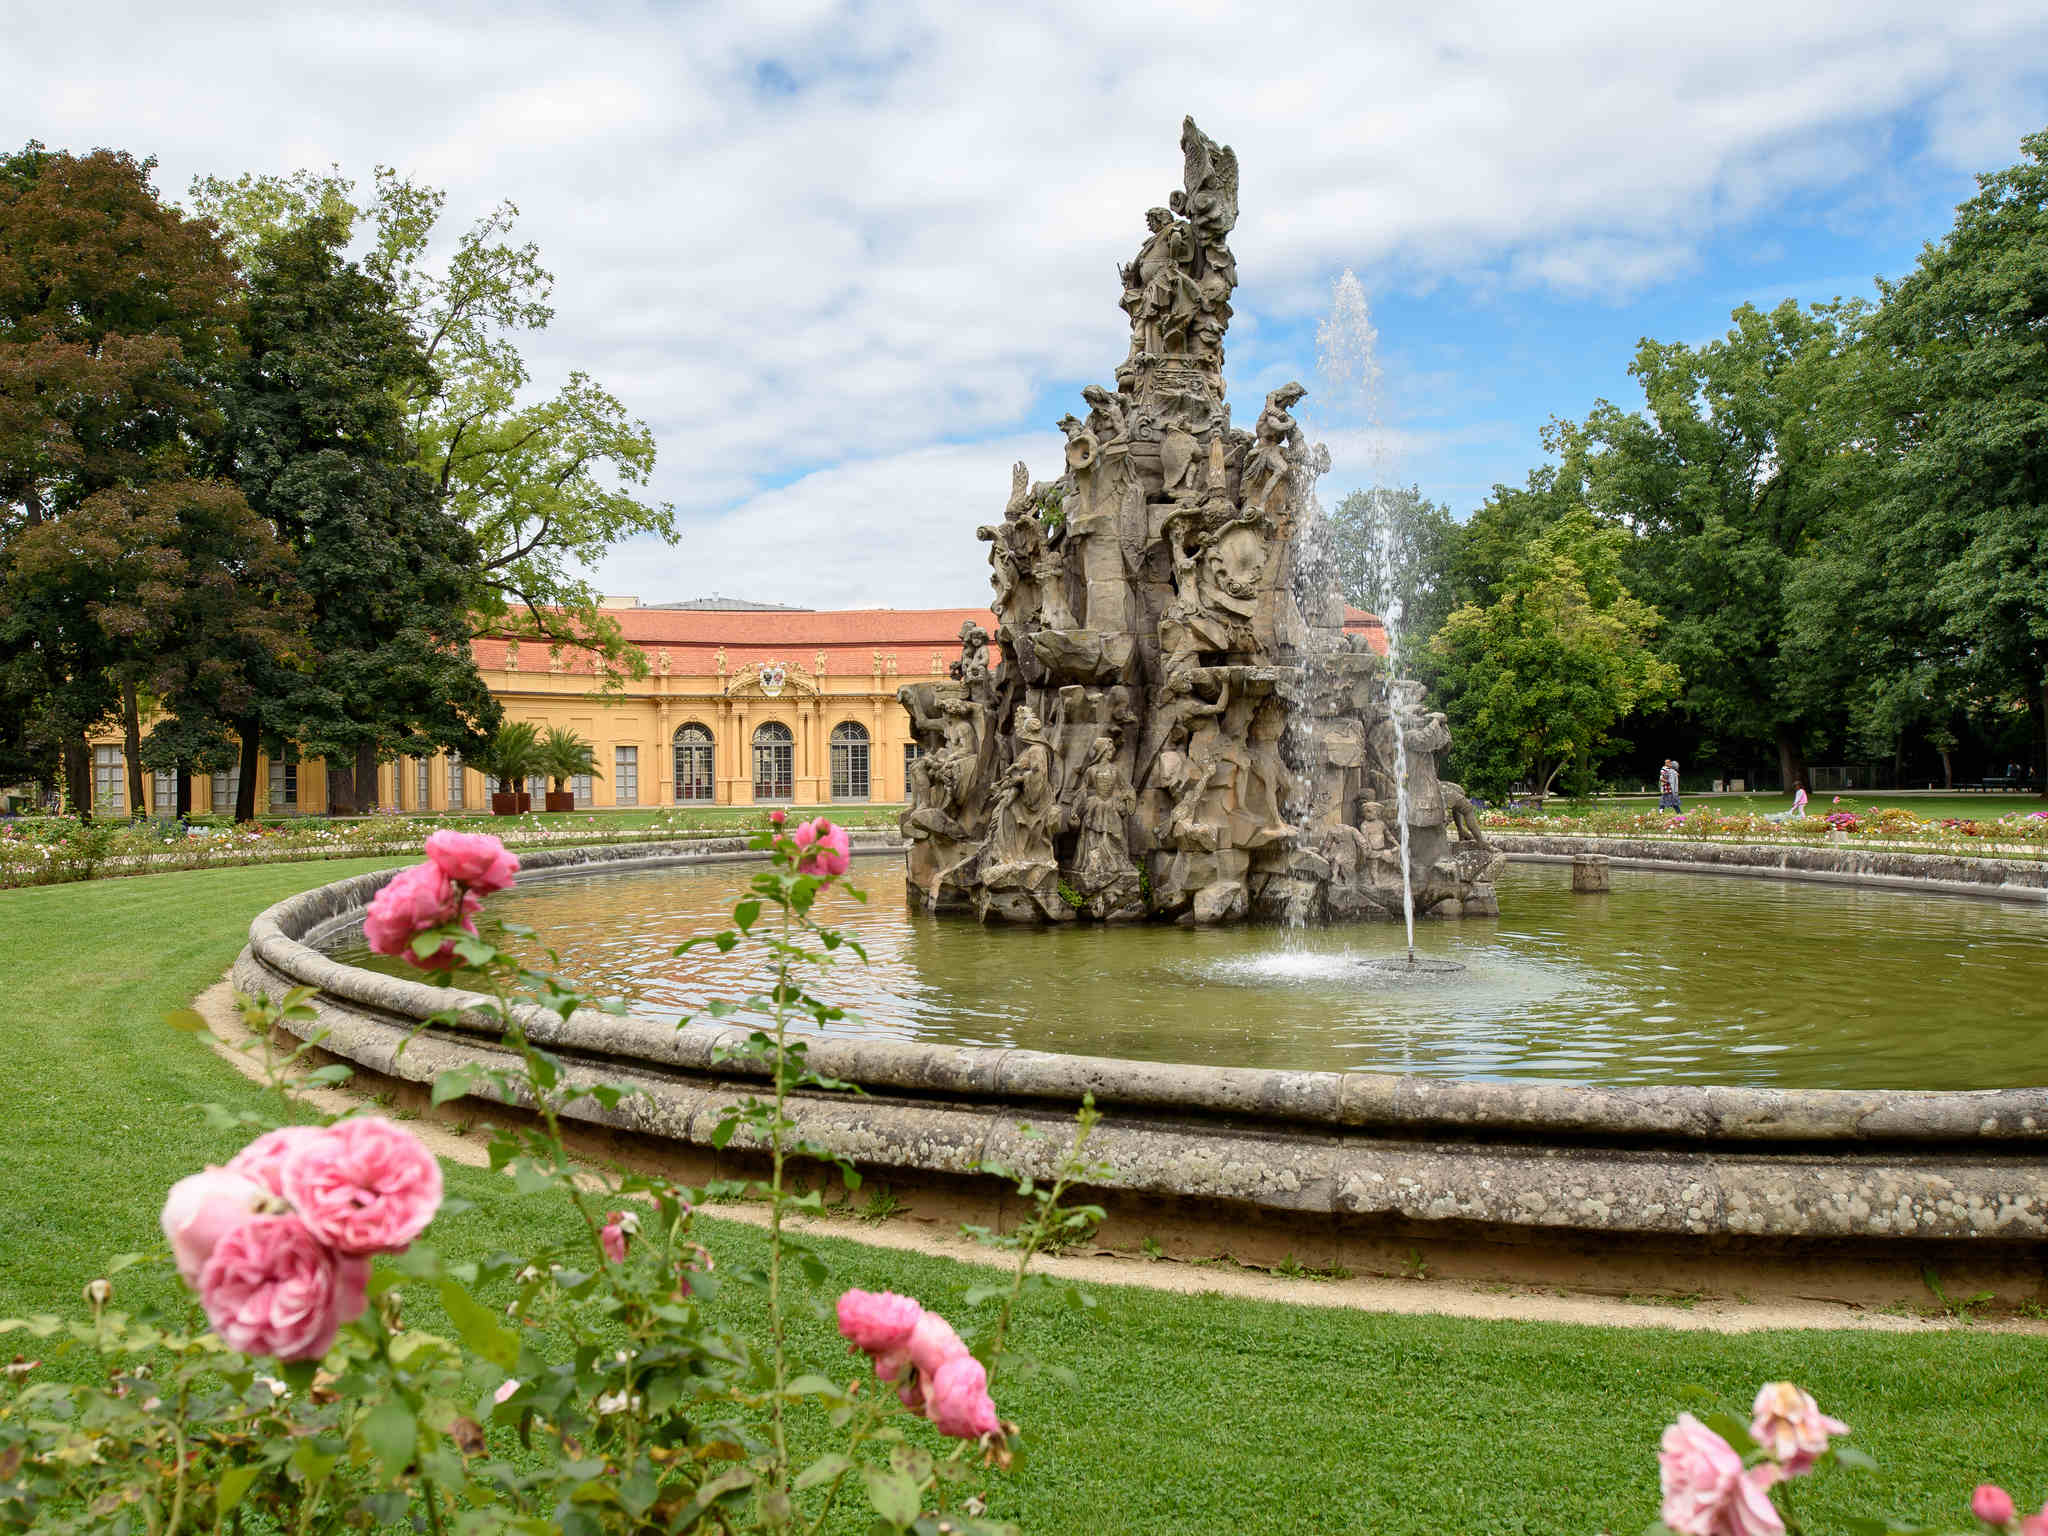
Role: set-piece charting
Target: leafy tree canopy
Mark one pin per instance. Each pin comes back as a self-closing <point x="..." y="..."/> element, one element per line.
<point x="545" y="486"/>
<point x="1537" y="680"/>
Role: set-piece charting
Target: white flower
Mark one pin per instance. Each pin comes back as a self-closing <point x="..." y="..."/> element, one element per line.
<point x="278" y="1389"/>
<point x="511" y="1385"/>
<point x="617" y="1402"/>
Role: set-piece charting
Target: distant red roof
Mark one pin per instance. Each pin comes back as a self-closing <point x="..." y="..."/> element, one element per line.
<point x="849" y="637"/>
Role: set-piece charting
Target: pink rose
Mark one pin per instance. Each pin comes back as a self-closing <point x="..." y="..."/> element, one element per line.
<point x="822" y="849"/>
<point x="203" y="1209"/>
<point x="1706" y="1492"/>
<point x="2035" y="1525"/>
<point x="411" y="902"/>
<point x="271" y="1287"/>
<point x="474" y="859"/>
<point x="264" y="1158"/>
<point x="777" y="818"/>
<point x="878" y="1321"/>
<point x="1992" y="1504"/>
<point x="364" y="1186"/>
<point x="932" y="1343"/>
<point x="958" y="1402"/>
<point x="613" y="1237"/>
<point x="1790" y="1427"/>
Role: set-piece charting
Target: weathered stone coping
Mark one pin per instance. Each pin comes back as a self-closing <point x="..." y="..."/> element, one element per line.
<point x="1325" y="1102"/>
<point x="1944" y="873"/>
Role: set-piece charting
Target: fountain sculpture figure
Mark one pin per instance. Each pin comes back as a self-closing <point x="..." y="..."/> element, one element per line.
<point x="1180" y="727"/>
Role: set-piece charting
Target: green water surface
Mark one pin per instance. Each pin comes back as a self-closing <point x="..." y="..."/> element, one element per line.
<point x="1668" y="978"/>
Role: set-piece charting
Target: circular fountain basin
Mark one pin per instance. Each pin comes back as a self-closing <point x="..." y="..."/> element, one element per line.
<point x="1701" y="1084"/>
<point x="1672" y="978"/>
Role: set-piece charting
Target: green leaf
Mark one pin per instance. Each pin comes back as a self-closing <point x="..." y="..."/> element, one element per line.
<point x="392" y="1435"/>
<point x="234" y="1485"/>
<point x="913" y="1461"/>
<point x="828" y="1466"/>
<point x="747" y="912"/>
<point x="893" y="1495"/>
<point x="455" y="1082"/>
<point x="186" y="1019"/>
<point x="1849" y="1456"/>
<point x="479" y="1326"/>
<point x="813" y="1385"/>
<point x="1731" y="1429"/>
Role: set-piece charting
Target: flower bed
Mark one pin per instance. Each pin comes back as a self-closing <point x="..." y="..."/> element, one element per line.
<point x="2018" y="832"/>
<point x="51" y="850"/>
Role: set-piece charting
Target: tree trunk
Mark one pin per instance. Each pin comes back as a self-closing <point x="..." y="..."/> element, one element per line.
<point x="1948" y="771"/>
<point x="1791" y="760"/>
<point x="245" y="792"/>
<point x="78" y="778"/>
<point x="341" y="787"/>
<point x="184" y="791"/>
<point x="131" y="747"/>
<point x="366" y="777"/>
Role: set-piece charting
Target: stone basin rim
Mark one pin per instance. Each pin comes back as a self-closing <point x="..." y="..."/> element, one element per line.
<point x="1991" y="1120"/>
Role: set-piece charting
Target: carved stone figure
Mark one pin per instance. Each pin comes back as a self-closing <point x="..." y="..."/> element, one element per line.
<point x="1177" y="695"/>
<point x="1102" y="860"/>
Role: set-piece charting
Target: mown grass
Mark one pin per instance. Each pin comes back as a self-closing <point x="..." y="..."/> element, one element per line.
<point x="1195" y="1414"/>
<point x="1987" y="806"/>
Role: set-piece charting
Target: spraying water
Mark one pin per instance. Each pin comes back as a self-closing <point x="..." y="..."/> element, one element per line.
<point x="1348" y="365"/>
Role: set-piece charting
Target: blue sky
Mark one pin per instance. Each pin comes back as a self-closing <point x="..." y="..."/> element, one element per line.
<point x="850" y="260"/>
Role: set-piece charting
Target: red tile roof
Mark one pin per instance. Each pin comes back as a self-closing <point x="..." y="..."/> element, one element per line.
<point x="849" y="637"/>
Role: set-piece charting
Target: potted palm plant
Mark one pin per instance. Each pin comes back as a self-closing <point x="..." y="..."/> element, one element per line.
<point x="513" y="753"/>
<point x="564" y="755"/>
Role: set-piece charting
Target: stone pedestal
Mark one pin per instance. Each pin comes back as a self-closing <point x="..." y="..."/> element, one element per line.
<point x="1589" y="873"/>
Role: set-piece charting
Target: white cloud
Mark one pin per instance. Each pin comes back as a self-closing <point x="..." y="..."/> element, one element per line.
<point x="819" y="236"/>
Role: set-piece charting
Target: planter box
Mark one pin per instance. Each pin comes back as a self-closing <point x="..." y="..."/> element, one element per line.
<point x="561" y="802"/>
<point x="506" y="804"/>
<point x="525" y="801"/>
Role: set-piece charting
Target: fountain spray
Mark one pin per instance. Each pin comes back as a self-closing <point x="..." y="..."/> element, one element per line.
<point x="1347" y="359"/>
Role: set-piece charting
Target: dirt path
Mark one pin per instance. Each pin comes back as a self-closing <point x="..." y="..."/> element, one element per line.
<point x="906" y="1233"/>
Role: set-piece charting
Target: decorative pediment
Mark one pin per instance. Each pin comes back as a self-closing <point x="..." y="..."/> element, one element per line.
<point x="771" y="680"/>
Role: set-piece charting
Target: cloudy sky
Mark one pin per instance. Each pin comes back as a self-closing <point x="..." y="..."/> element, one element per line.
<point x="851" y="260"/>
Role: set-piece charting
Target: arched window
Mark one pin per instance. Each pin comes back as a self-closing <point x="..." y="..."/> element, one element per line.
<point x="849" y="761"/>
<point x="696" y="773"/>
<point x="774" y="762"/>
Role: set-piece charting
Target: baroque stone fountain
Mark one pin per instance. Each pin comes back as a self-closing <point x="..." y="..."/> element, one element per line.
<point x="1182" y="727"/>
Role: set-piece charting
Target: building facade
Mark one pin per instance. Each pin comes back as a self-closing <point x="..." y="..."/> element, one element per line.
<point x="742" y="704"/>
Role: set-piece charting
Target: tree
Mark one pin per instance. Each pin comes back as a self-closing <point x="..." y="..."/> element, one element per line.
<point x="388" y="574"/>
<point x="564" y="755"/>
<point x="1967" y="333"/>
<point x="544" y="487"/>
<point x="1747" y="445"/>
<point x="116" y="313"/>
<point x="1390" y="546"/>
<point x="1538" y="679"/>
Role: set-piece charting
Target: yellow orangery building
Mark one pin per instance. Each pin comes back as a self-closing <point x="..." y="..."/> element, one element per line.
<point x="743" y="704"/>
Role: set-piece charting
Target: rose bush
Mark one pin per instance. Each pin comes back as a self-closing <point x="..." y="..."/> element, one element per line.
<point x="586" y="1387"/>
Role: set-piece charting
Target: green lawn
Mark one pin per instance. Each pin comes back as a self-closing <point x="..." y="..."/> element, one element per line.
<point x="1979" y="807"/>
<point x="1195" y="1415"/>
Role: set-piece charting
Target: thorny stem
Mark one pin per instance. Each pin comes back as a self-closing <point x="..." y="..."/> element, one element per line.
<point x="860" y="1435"/>
<point x="1035" y="1239"/>
<point x="178" y="1447"/>
<point x="781" y="1471"/>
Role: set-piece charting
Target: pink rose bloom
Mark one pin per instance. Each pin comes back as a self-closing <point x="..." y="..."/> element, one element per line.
<point x="203" y="1209"/>
<point x="1790" y="1427"/>
<point x="264" y="1158"/>
<point x="878" y="1321"/>
<point x="270" y="1287"/>
<point x="1992" y="1504"/>
<point x="958" y="1402"/>
<point x="822" y="848"/>
<point x="364" y="1186"/>
<point x="1706" y="1492"/>
<point x="411" y="902"/>
<point x="475" y="859"/>
<point x="2035" y="1525"/>
<point x="613" y="1236"/>
<point x="932" y="1343"/>
<point x="777" y="818"/>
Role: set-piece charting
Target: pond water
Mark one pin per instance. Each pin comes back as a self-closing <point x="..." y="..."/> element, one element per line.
<point x="1668" y="978"/>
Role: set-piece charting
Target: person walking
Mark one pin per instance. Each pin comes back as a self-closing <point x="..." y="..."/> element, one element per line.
<point x="1798" y="804"/>
<point x="1667" y="787"/>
